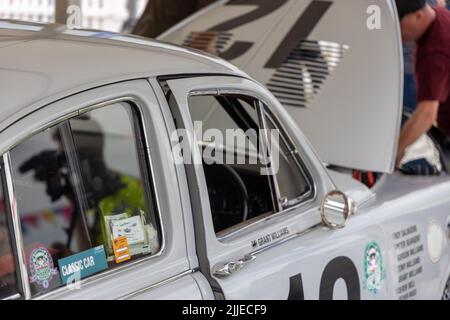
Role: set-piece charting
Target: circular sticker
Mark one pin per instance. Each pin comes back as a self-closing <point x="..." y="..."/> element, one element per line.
<point x="41" y="267"/>
<point x="435" y="241"/>
<point x="374" y="273"/>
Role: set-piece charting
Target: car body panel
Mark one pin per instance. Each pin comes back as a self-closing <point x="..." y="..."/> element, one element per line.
<point x="178" y="289"/>
<point x="353" y="188"/>
<point x="316" y="262"/>
<point x="323" y="64"/>
<point x="67" y="70"/>
<point x="172" y="260"/>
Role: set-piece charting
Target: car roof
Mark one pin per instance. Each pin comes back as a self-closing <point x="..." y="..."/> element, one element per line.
<point x="41" y="63"/>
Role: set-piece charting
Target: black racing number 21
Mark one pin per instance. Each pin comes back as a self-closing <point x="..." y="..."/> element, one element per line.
<point x="338" y="268"/>
<point x="301" y="29"/>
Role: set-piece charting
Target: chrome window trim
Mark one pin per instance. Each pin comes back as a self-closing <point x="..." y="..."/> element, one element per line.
<point x="17" y="229"/>
<point x="311" y="196"/>
<point x="273" y="183"/>
<point x="296" y="155"/>
<point x="16" y="220"/>
<point x="16" y="296"/>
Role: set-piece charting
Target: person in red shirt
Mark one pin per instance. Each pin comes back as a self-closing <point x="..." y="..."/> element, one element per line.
<point x="429" y="28"/>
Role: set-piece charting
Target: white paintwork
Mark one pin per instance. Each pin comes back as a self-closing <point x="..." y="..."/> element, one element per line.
<point x="176" y="290"/>
<point x="354" y="189"/>
<point x="52" y="62"/>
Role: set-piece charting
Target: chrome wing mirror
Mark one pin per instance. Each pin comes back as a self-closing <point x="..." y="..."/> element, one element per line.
<point x="335" y="209"/>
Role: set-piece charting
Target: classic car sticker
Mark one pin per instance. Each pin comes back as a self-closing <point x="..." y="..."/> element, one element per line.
<point x="408" y="246"/>
<point x="374" y="273"/>
<point x="270" y="238"/>
<point x="83" y="264"/>
<point x="121" y="249"/>
<point x="41" y="266"/>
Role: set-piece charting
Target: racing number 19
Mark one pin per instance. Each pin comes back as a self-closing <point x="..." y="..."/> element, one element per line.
<point x="338" y="268"/>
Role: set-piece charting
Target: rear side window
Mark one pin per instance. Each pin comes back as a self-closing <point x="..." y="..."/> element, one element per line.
<point x="84" y="197"/>
<point x="8" y="277"/>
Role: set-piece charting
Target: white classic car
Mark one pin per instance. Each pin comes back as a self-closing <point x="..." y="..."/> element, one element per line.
<point x="113" y="183"/>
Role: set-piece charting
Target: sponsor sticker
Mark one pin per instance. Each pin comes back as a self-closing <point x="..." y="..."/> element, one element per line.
<point x="41" y="266"/>
<point x="121" y="249"/>
<point x="374" y="273"/>
<point x="130" y="228"/>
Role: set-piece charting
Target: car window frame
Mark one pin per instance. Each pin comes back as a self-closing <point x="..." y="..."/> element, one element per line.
<point x="241" y="230"/>
<point x="12" y="228"/>
<point x="134" y="102"/>
<point x="297" y="157"/>
<point x="264" y="109"/>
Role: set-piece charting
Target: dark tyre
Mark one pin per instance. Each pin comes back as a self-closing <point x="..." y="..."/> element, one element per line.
<point x="446" y="293"/>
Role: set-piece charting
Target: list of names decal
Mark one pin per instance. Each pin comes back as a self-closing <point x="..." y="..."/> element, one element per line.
<point x="408" y="246"/>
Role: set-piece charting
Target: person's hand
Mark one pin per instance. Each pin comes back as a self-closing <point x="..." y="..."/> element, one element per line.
<point x="399" y="158"/>
<point x="205" y="41"/>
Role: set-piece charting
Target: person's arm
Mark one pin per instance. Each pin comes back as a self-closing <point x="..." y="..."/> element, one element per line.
<point x="421" y="121"/>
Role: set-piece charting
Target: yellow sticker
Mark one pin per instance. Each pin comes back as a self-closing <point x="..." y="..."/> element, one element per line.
<point x="121" y="249"/>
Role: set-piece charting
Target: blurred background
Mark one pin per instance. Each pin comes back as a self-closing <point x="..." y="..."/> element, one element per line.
<point x="109" y="15"/>
<point x="143" y="17"/>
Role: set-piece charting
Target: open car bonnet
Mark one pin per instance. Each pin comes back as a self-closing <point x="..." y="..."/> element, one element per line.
<point x="336" y="66"/>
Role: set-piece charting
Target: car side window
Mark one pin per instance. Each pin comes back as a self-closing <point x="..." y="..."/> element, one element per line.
<point x="251" y="169"/>
<point x="84" y="197"/>
<point x="291" y="176"/>
<point x="8" y="275"/>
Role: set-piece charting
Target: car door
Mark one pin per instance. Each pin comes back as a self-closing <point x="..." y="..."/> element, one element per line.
<point x="280" y="255"/>
<point x="92" y="198"/>
<point x="392" y="247"/>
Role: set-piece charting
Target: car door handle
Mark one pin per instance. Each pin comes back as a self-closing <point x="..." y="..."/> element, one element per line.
<point x="227" y="269"/>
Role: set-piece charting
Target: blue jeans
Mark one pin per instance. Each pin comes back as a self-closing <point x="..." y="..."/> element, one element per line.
<point x="409" y="93"/>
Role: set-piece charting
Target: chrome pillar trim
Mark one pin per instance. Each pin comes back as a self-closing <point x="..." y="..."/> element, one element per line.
<point x="268" y="155"/>
<point x="16" y="296"/>
<point x="21" y="261"/>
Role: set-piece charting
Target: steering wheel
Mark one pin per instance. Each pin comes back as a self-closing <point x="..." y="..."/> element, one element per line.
<point x="228" y="195"/>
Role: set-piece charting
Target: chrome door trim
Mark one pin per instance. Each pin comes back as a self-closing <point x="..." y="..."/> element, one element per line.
<point x="289" y="238"/>
<point x="157" y="285"/>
